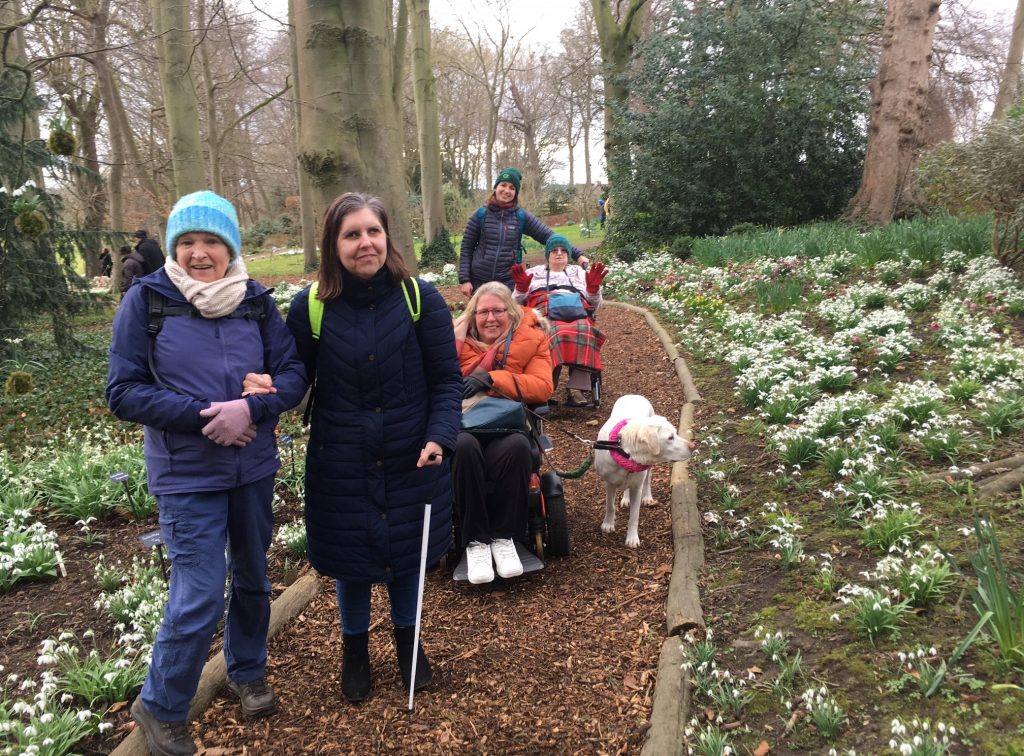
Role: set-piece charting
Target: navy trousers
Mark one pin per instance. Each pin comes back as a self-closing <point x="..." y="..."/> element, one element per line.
<point x="195" y="529"/>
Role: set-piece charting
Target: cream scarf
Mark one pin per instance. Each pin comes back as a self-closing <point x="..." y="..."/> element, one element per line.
<point x="216" y="298"/>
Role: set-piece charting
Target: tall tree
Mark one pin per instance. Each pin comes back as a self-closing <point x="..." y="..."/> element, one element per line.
<point x="618" y="32"/>
<point x="427" y="127"/>
<point x="898" y="109"/>
<point x="349" y="128"/>
<point x="745" y="112"/>
<point x="173" y="27"/>
<point x="1009" y="82"/>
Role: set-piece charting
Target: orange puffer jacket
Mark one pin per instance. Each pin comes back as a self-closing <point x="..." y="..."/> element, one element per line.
<point x="528" y="363"/>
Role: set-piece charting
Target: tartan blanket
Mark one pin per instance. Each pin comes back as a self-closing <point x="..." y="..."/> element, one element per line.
<point x="578" y="343"/>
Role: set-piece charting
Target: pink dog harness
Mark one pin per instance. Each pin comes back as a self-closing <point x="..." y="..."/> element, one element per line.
<point x="613" y="447"/>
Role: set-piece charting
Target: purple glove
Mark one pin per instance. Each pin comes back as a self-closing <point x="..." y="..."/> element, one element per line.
<point x="230" y="421"/>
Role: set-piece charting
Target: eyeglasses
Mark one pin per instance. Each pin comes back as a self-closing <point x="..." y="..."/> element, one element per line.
<point x="497" y="312"/>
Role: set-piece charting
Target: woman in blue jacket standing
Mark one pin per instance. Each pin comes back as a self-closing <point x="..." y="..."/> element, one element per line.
<point x="184" y="339"/>
<point x="494" y="233"/>
<point x="385" y="417"/>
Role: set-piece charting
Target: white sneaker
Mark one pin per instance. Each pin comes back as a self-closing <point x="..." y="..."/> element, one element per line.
<point x="478" y="558"/>
<point x="506" y="560"/>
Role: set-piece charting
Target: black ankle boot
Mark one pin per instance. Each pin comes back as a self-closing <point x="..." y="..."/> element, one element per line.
<point x="403" y="648"/>
<point x="355" y="667"/>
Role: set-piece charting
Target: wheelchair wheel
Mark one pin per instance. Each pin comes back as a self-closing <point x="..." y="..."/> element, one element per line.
<point x="538" y="545"/>
<point x="558" y="526"/>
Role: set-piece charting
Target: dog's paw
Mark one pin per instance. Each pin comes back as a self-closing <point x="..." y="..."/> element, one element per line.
<point x="632" y="541"/>
<point x="648" y="501"/>
<point x="608" y="526"/>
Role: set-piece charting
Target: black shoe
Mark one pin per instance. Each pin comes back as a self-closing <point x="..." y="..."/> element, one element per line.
<point x="163" y="738"/>
<point x="257" y="698"/>
<point x="356" y="680"/>
<point x="403" y="648"/>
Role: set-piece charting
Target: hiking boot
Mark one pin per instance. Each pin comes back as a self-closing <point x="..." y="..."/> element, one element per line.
<point x="478" y="559"/>
<point x="257" y="698"/>
<point x="506" y="559"/>
<point x="403" y="649"/>
<point x="163" y="738"/>
<point x="577" y="398"/>
<point x="356" y="680"/>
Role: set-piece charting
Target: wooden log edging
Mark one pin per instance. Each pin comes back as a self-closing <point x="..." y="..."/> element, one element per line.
<point x="283" y="610"/>
<point x="670" y="708"/>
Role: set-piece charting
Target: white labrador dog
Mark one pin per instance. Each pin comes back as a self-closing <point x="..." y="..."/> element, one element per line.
<point x="632" y="440"/>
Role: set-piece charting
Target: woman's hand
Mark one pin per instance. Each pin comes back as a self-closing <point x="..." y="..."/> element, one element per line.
<point x="229" y="422"/>
<point x="595" y="276"/>
<point x="521" y="277"/>
<point x="466" y="289"/>
<point x="257" y="383"/>
<point x="583" y="261"/>
<point x="477" y="381"/>
<point x="431" y="454"/>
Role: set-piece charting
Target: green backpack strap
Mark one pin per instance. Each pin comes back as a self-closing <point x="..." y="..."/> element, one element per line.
<point x="316" y="310"/>
<point x="316" y="306"/>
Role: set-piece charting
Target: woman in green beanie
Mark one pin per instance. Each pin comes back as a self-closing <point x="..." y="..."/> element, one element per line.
<point x="491" y="243"/>
<point x="568" y="297"/>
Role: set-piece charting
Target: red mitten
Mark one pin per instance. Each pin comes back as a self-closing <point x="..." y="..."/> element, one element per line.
<point x="595" y="276"/>
<point x="521" y="277"/>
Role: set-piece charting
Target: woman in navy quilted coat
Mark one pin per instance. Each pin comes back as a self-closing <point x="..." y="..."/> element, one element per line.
<point x="386" y="411"/>
<point x="490" y="244"/>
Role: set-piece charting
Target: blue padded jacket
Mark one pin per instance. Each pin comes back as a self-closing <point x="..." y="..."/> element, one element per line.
<point x="202" y="361"/>
<point x="384" y="387"/>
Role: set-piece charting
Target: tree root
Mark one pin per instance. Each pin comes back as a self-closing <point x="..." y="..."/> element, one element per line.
<point x="979" y="470"/>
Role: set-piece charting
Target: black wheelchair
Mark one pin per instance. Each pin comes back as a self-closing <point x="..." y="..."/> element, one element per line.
<point x="547" y="532"/>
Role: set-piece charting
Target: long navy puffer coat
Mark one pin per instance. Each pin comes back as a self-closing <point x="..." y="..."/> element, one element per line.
<point x="384" y="387"/>
<point x="489" y="249"/>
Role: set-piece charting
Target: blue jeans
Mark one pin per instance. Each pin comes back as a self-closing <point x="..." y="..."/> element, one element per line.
<point x="195" y="528"/>
<point x="354" y="603"/>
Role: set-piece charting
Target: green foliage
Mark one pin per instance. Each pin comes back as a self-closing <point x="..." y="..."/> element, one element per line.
<point x="753" y="114"/>
<point x="18" y="382"/>
<point x="984" y="174"/>
<point x="37" y="253"/>
<point x="999" y="595"/>
<point x="439" y="251"/>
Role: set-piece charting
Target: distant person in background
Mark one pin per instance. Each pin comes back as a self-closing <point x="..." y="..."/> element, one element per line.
<point x="490" y="243"/>
<point x="152" y="257"/>
<point x="132" y="265"/>
<point x="106" y="262"/>
<point x="601" y="213"/>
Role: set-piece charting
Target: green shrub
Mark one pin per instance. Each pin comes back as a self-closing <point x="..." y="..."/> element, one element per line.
<point x="438" y="252"/>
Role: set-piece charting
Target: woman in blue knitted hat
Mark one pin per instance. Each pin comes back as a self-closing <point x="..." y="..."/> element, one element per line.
<point x="568" y="296"/>
<point x="492" y="241"/>
<point x="184" y="339"/>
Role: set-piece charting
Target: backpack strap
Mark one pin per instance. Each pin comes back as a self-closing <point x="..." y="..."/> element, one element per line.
<point x="316" y="306"/>
<point x="521" y="215"/>
<point x="316" y="319"/>
<point x="158" y="308"/>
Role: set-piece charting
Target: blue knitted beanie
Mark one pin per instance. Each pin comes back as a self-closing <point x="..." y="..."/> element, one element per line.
<point x="557" y="240"/>
<point x="204" y="211"/>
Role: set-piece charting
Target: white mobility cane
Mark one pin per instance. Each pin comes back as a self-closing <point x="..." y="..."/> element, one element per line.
<point x="419" y="602"/>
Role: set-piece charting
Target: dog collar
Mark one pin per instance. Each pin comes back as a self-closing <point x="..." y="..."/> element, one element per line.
<point x="614" y="447"/>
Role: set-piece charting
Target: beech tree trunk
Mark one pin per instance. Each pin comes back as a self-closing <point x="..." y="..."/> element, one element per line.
<point x="213" y="137"/>
<point x="899" y="107"/>
<point x="617" y="37"/>
<point x="307" y="217"/>
<point x="427" y="125"/>
<point x="172" y="24"/>
<point x="1009" y="82"/>
<point x="349" y="127"/>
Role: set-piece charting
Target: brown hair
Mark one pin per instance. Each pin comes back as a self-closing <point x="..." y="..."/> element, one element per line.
<point x="502" y="292"/>
<point x="330" y="275"/>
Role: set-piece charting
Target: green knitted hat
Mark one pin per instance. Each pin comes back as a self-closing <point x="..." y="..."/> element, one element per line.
<point x="557" y="240"/>
<point x="512" y="176"/>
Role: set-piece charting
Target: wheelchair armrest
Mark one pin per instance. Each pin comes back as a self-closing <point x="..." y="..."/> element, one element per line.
<point x="539" y="409"/>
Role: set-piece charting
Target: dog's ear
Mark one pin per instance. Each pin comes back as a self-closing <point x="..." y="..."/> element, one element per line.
<point x="640" y="441"/>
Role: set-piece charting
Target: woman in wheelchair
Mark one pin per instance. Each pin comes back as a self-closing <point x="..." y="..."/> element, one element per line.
<point x="569" y="297"/>
<point x="503" y="351"/>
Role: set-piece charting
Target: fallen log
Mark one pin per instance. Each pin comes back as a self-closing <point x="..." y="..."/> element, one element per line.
<point x="671" y="703"/>
<point x="1008" y="481"/>
<point x="979" y="470"/>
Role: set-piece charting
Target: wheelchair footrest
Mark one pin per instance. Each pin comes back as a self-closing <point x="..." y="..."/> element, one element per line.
<point x="530" y="564"/>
